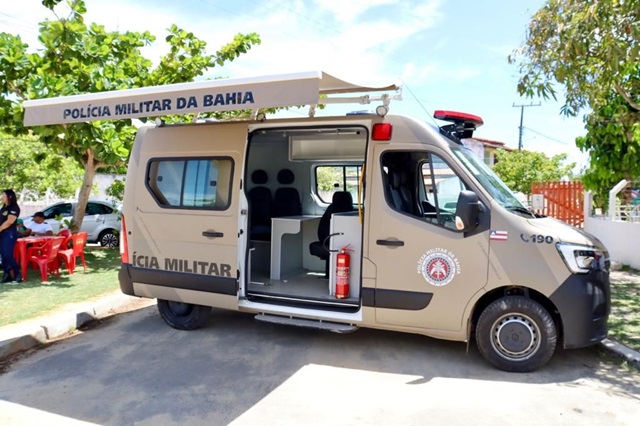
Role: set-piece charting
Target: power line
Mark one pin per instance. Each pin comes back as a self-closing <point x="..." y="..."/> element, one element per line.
<point x="547" y="137"/>
<point x="522" y="107"/>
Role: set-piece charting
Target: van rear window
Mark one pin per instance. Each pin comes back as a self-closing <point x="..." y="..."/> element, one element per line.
<point x="331" y="179"/>
<point x="194" y="183"/>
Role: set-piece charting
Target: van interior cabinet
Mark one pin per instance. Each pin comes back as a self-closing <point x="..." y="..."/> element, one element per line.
<point x="349" y="230"/>
<point x="289" y="237"/>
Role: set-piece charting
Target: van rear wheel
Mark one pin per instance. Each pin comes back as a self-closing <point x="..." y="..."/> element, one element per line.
<point x="183" y="316"/>
<point x="516" y="334"/>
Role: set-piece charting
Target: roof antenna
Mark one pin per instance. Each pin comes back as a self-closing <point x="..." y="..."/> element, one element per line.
<point x="419" y="103"/>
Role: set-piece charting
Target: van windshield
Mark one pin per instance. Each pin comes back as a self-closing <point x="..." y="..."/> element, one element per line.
<point x="490" y="181"/>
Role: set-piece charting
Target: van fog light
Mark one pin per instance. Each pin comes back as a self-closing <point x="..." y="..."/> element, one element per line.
<point x="580" y="259"/>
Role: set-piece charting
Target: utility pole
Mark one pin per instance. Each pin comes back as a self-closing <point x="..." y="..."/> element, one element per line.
<point x="521" y="118"/>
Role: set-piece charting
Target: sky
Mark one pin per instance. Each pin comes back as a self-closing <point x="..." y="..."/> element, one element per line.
<point x="447" y="54"/>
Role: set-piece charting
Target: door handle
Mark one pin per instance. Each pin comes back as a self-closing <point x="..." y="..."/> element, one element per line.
<point x="212" y="234"/>
<point x="392" y="243"/>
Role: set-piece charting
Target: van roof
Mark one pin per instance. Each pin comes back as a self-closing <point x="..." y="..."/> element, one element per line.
<point x="283" y="90"/>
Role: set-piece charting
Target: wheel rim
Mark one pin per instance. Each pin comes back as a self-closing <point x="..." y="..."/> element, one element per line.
<point x="109" y="240"/>
<point x="515" y="337"/>
<point x="180" y="309"/>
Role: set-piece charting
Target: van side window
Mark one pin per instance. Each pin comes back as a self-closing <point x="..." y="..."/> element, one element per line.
<point x="201" y="183"/>
<point x="422" y="185"/>
<point x="442" y="187"/>
<point x="331" y="179"/>
<point x="400" y="175"/>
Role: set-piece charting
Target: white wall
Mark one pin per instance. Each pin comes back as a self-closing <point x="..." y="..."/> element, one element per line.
<point x="622" y="239"/>
<point x="102" y="181"/>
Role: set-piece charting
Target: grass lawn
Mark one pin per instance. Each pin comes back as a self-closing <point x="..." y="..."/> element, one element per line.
<point x="624" y="322"/>
<point x="33" y="297"/>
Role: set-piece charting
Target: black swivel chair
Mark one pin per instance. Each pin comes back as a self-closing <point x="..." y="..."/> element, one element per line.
<point x="260" y="207"/>
<point x="342" y="202"/>
<point x="286" y="200"/>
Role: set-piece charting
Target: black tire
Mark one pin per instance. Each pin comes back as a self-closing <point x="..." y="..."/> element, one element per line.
<point x="183" y="316"/>
<point x="516" y="334"/>
<point x="109" y="238"/>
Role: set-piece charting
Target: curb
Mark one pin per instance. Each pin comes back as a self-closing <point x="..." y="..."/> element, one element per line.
<point x="621" y="351"/>
<point x="16" y="338"/>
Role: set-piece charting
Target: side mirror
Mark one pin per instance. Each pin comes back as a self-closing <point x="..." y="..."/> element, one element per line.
<point x="467" y="211"/>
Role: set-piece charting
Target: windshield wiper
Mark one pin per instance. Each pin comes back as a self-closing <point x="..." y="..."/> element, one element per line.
<point x="520" y="209"/>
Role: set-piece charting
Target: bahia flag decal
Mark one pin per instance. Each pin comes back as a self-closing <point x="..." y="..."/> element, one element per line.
<point x="499" y="236"/>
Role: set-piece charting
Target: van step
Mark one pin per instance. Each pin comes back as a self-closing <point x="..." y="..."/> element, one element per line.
<point x="308" y="323"/>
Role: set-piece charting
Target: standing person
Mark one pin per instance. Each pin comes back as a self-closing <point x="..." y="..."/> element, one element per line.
<point x="8" y="235"/>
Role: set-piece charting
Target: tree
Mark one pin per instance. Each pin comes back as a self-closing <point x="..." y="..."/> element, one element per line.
<point x="519" y="169"/>
<point x="115" y="191"/>
<point x="327" y="177"/>
<point x="36" y="168"/>
<point x="592" y="49"/>
<point x="613" y="143"/>
<point x="79" y="58"/>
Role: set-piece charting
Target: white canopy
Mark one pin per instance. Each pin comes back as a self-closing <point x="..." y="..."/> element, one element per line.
<point x="201" y="96"/>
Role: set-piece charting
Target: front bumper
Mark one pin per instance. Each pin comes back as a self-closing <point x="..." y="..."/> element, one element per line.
<point x="584" y="304"/>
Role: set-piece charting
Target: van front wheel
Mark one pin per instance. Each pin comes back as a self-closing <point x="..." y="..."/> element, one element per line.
<point x="183" y="316"/>
<point x="516" y="334"/>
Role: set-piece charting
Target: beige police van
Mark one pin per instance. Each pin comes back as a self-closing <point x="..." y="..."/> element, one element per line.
<point x="251" y="216"/>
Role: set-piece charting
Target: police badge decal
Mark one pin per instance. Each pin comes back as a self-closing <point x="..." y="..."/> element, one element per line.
<point x="438" y="266"/>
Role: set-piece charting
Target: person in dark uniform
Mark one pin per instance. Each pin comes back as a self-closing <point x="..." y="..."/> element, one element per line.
<point x="8" y="235"/>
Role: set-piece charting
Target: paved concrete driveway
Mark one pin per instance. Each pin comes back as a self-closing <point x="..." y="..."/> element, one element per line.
<point x="133" y="369"/>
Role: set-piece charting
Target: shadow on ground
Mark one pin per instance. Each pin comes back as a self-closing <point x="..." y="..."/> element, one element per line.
<point x="134" y="360"/>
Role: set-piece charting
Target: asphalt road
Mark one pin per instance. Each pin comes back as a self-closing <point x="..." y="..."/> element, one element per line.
<point x="134" y="369"/>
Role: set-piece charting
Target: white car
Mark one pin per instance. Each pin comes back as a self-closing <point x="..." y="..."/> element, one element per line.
<point x="101" y="220"/>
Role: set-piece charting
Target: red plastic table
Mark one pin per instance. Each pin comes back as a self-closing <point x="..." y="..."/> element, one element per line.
<point x="20" y="251"/>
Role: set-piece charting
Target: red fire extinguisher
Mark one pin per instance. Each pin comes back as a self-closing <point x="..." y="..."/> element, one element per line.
<point x="343" y="261"/>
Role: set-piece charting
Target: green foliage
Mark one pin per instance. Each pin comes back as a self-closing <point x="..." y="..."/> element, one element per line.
<point x="590" y="47"/>
<point x="624" y="321"/>
<point x="115" y="191"/>
<point x="83" y="58"/>
<point x="519" y="169"/>
<point x="613" y="144"/>
<point x="327" y="177"/>
<point x="35" y="168"/>
<point x="66" y="224"/>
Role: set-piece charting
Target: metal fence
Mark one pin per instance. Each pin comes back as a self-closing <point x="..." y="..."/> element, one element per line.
<point x="561" y="200"/>
<point x="624" y="201"/>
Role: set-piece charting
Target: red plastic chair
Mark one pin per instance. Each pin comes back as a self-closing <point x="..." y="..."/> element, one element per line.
<point x="66" y="243"/>
<point x="69" y="256"/>
<point x="48" y="260"/>
<point x="35" y="249"/>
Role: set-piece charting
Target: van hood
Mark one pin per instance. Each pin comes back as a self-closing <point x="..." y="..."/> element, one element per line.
<point x="565" y="233"/>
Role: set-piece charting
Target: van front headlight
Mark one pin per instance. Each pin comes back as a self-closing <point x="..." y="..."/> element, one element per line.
<point x="581" y="259"/>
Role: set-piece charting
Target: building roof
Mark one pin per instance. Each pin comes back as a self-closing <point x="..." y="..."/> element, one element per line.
<point x="489" y="143"/>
